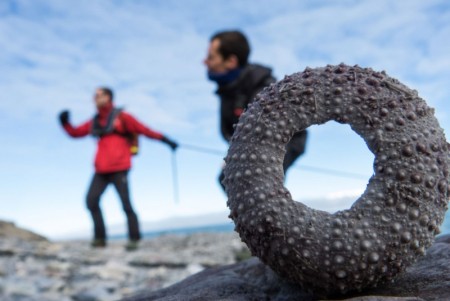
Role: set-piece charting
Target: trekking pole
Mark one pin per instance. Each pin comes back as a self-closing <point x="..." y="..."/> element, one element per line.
<point x="338" y="173"/>
<point x="332" y="172"/>
<point x="175" y="178"/>
<point x="202" y="149"/>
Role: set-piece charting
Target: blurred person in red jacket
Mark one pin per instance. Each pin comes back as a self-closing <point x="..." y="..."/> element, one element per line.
<point x="117" y="133"/>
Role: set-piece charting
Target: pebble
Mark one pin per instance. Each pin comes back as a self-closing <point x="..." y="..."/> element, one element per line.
<point x="72" y="270"/>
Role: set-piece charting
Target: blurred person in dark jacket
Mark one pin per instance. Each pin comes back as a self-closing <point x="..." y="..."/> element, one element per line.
<point x="238" y="82"/>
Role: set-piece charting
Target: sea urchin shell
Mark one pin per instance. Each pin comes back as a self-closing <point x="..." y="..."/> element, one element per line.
<point x="387" y="228"/>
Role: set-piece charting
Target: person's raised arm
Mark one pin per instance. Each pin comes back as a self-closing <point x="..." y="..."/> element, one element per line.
<point x="78" y="131"/>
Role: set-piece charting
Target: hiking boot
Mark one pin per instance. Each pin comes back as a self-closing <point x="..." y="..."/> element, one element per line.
<point x="132" y="245"/>
<point x="98" y="243"/>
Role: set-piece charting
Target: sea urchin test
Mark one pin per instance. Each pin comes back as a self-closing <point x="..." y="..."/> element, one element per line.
<point x="387" y="228"/>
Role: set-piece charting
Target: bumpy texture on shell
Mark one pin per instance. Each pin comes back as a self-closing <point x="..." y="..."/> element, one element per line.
<point x="387" y="228"/>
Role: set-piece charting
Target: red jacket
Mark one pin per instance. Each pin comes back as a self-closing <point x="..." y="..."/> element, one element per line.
<point x="113" y="150"/>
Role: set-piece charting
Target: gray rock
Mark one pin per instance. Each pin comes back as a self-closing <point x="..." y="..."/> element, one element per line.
<point x="428" y="279"/>
<point x="96" y="293"/>
<point x="381" y="298"/>
<point x="19" y="287"/>
<point x="33" y="270"/>
<point x="9" y="229"/>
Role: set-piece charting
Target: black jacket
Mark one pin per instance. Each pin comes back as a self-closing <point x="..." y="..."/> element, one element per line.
<point x="239" y="93"/>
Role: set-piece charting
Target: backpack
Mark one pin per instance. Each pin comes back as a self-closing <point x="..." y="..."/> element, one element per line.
<point x="98" y="131"/>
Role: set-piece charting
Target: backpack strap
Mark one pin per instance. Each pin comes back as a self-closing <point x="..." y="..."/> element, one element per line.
<point x="97" y="130"/>
<point x="131" y="137"/>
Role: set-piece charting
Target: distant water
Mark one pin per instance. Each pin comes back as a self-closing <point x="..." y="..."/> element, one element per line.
<point x="445" y="229"/>
<point x="229" y="227"/>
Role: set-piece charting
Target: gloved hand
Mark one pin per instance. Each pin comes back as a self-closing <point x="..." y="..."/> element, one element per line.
<point x="64" y="117"/>
<point x="173" y="145"/>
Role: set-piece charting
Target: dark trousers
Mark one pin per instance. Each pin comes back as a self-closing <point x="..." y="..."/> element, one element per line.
<point x="96" y="189"/>
<point x="294" y="149"/>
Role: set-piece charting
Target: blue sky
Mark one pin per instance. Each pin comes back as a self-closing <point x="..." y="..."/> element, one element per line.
<point x="54" y="54"/>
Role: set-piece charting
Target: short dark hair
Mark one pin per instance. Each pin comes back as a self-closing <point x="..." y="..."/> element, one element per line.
<point x="233" y="42"/>
<point x="108" y="91"/>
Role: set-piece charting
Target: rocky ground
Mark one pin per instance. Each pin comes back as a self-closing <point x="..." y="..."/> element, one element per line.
<point x="426" y="280"/>
<point x="39" y="270"/>
<point x="197" y="267"/>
